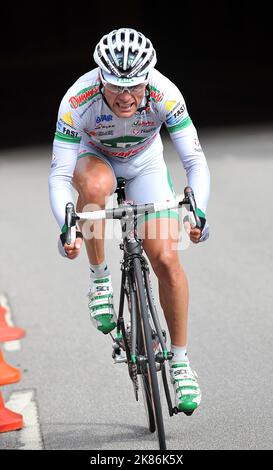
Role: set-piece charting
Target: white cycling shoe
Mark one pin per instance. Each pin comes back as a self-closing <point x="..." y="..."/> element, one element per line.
<point x="101" y="305"/>
<point x="186" y="389"/>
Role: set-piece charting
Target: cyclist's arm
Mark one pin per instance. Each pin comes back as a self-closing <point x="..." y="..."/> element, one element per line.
<point x="194" y="161"/>
<point x="63" y="163"/>
<point x="174" y="114"/>
<point x="64" y="159"/>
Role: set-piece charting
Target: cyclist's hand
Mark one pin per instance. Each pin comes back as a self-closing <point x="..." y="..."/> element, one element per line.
<point x="195" y="234"/>
<point x="73" y="250"/>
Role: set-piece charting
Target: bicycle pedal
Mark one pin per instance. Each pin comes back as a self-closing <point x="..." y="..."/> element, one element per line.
<point x="118" y="354"/>
<point x="176" y="410"/>
<point x="119" y="360"/>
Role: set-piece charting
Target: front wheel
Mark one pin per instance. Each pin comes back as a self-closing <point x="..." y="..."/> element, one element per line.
<point x="149" y="370"/>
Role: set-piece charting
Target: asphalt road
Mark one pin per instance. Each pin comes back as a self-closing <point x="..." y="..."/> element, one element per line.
<point x="83" y="400"/>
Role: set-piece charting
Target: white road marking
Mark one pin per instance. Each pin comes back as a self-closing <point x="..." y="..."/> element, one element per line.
<point x="9" y="345"/>
<point x="23" y="402"/>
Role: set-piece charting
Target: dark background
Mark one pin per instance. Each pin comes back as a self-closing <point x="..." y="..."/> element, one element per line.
<point x="218" y="54"/>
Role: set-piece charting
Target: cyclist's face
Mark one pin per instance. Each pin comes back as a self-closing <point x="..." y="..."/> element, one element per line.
<point x="124" y="104"/>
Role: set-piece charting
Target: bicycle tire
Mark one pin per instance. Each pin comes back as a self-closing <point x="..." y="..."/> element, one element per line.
<point x="148" y="345"/>
<point x="135" y="316"/>
<point x="145" y="382"/>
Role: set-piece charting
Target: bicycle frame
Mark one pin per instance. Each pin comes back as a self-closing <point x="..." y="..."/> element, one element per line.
<point x="132" y="247"/>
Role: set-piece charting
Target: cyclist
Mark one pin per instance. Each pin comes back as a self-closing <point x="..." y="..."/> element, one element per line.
<point x="108" y="126"/>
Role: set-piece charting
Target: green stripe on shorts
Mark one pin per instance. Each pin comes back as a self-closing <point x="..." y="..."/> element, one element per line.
<point x="170" y="181"/>
<point x="169" y="214"/>
<point x="87" y="154"/>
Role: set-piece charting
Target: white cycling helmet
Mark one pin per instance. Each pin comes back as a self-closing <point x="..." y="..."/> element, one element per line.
<point x="125" y="56"/>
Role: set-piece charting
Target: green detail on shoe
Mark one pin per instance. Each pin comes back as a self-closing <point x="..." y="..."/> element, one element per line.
<point x="104" y="296"/>
<point x="186" y="387"/>
<point x="133" y="358"/>
<point x="177" y="366"/>
<point x="187" y="404"/>
<point x="101" y="280"/>
<point x="107" y="324"/>
<point x="165" y="353"/>
<point x="100" y="307"/>
<point x="200" y="213"/>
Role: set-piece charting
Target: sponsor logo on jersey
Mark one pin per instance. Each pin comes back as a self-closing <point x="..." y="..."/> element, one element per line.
<point x="53" y="161"/>
<point x="155" y="94"/>
<point x="66" y="131"/>
<point x="123" y="141"/>
<point x="67" y="119"/>
<point x="86" y="108"/>
<point x="104" y="126"/>
<point x="169" y="105"/>
<point x="83" y="96"/>
<point x="104" y="117"/>
<point x="100" y="133"/>
<point x="143" y="123"/>
<point x="145" y="130"/>
<point x="126" y="153"/>
<point x="176" y="117"/>
<point x="178" y="103"/>
<point x="197" y="145"/>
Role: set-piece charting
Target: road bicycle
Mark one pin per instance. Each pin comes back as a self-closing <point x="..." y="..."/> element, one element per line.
<point x="140" y="342"/>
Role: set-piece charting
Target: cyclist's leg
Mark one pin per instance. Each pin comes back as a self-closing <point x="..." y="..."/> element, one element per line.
<point x="94" y="179"/>
<point x="160" y="233"/>
<point x="161" y="237"/>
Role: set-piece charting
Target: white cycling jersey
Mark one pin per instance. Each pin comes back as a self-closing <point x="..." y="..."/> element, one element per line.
<point x="86" y="124"/>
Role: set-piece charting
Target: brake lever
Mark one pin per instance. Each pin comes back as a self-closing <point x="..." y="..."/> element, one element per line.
<point x="70" y="221"/>
<point x="189" y="196"/>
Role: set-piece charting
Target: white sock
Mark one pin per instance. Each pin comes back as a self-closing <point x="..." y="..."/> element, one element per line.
<point x="99" y="270"/>
<point x="179" y="353"/>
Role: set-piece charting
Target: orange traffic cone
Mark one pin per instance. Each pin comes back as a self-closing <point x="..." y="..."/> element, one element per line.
<point x="8" y="333"/>
<point x="8" y="374"/>
<point x="9" y="420"/>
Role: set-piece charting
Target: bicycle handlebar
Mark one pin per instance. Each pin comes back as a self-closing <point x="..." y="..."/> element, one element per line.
<point x="129" y="210"/>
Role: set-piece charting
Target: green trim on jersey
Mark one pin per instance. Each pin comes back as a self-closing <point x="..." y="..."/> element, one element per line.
<point x="67" y="138"/>
<point x="185" y="123"/>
